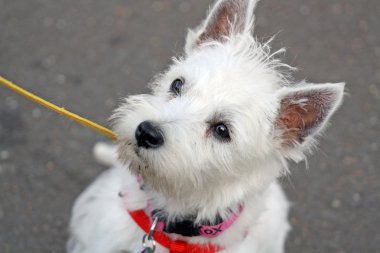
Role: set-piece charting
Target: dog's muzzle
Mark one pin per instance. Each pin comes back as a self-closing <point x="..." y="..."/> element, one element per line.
<point x="148" y="135"/>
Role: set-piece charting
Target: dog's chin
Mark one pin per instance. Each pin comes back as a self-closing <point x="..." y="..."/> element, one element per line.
<point x="155" y="179"/>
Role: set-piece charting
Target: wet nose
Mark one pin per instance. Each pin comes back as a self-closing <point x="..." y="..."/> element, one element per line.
<point x="148" y="135"/>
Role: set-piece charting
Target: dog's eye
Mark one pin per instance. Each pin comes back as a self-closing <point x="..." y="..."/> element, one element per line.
<point x="176" y="86"/>
<point x="221" y="131"/>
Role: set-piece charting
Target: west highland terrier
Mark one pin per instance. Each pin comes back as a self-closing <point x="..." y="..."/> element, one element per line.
<point x="196" y="163"/>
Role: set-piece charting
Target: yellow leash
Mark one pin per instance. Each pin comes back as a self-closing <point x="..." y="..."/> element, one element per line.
<point x="83" y="121"/>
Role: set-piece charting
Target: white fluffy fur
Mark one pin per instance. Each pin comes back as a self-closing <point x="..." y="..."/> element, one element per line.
<point x="235" y="80"/>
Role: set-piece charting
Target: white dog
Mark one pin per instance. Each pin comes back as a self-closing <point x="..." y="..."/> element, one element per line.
<point x="201" y="155"/>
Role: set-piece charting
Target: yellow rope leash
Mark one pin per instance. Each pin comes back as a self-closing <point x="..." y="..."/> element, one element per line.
<point x="83" y="121"/>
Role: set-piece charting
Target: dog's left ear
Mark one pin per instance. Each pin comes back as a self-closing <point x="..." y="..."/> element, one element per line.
<point x="304" y="111"/>
<point x="226" y="18"/>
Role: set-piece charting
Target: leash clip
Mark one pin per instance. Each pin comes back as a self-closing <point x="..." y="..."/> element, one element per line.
<point x="148" y="242"/>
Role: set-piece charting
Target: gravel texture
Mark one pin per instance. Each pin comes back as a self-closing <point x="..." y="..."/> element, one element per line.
<point x="86" y="55"/>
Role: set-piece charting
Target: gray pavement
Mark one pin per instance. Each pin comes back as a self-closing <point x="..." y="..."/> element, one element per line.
<point x="86" y="55"/>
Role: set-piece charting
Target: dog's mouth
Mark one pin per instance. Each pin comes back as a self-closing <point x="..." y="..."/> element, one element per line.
<point x="129" y="153"/>
<point x="136" y="157"/>
<point x="137" y="151"/>
<point x="149" y="164"/>
<point x="139" y="164"/>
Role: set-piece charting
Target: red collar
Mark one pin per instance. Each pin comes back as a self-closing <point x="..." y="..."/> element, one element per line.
<point x="143" y="221"/>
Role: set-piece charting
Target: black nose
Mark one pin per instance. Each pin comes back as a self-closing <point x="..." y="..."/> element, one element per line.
<point x="148" y="135"/>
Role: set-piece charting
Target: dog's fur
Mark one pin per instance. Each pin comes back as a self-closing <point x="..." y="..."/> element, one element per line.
<point x="229" y="77"/>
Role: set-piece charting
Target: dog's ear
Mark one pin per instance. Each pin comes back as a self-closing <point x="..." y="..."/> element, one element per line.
<point x="304" y="111"/>
<point x="226" y="18"/>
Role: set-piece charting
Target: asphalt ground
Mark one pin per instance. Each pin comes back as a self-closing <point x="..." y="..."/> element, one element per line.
<point x="86" y="55"/>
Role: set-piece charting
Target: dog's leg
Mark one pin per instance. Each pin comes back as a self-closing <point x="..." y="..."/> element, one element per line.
<point x="100" y="222"/>
<point x="273" y="225"/>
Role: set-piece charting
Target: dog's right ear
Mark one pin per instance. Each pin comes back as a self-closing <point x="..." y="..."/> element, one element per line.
<point x="303" y="114"/>
<point x="226" y="18"/>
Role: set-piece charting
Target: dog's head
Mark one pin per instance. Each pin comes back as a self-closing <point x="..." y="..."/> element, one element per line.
<point x="223" y="119"/>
